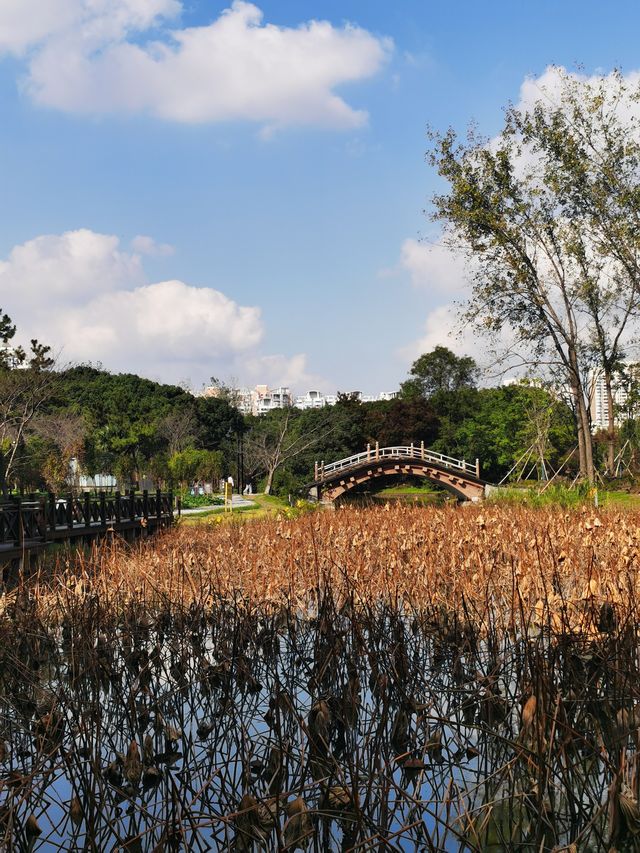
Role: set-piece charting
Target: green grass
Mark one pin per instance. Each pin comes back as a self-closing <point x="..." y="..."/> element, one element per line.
<point x="581" y="495"/>
<point x="264" y="506"/>
<point x="407" y="489"/>
<point x="619" y="500"/>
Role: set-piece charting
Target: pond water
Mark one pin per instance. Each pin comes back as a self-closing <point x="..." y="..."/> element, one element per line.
<point x="353" y="729"/>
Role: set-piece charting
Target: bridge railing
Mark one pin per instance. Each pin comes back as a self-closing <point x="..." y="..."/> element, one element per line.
<point x="54" y="518"/>
<point x="376" y="453"/>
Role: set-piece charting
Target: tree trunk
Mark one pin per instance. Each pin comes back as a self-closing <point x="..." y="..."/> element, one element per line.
<point x="585" y="441"/>
<point x="611" y="433"/>
<point x="588" y="441"/>
<point x="269" y="483"/>
<point x="582" y="461"/>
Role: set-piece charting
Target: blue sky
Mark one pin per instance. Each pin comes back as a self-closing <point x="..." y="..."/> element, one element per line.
<point x="183" y="199"/>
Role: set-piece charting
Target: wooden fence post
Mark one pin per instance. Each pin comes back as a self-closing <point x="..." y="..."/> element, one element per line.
<point x="70" y="511"/>
<point x="51" y="512"/>
<point x="118" y="517"/>
<point x="132" y="504"/>
<point x="103" y="508"/>
<point x="87" y="509"/>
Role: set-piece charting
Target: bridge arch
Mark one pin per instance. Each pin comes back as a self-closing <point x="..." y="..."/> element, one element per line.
<point x="338" y="478"/>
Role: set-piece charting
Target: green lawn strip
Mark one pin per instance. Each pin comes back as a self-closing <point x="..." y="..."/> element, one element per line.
<point x="264" y="505"/>
<point x="623" y="500"/>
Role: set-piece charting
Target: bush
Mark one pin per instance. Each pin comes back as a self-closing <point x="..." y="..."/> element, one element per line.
<point x="190" y="501"/>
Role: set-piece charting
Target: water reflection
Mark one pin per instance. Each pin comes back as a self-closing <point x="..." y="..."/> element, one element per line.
<point x="363" y="728"/>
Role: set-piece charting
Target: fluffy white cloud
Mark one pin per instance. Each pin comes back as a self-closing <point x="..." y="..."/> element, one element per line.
<point x="83" y="294"/>
<point x="56" y="271"/>
<point x="434" y="267"/>
<point x="548" y="87"/>
<point x="28" y="23"/>
<point x="91" y="57"/>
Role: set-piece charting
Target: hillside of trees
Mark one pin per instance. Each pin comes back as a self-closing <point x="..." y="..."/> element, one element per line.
<point x="140" y="430"/>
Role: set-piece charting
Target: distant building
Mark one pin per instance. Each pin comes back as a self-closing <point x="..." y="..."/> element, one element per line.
<point x="275" y="398"/>
<point x="311" y="400"/>
<point x="262" y="399"/>
<point x="598" y="397"/>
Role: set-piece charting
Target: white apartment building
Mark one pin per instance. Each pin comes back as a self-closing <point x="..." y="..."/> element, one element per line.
<point x="262" y="399"/>
<point x="275" y="398"/>
<point x="317" y="400"/>
<point x="311" y="400"/>
<point x="598" y="397"/>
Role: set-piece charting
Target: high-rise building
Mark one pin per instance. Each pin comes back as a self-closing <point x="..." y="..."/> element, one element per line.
<point x="598" y="396"/>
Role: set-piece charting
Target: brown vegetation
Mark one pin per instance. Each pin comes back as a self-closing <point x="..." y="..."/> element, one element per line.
<point x="508" y="568"/>
<point x="392" y="679"/>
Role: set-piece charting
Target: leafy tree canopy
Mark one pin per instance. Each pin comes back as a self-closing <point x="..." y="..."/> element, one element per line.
<point x="440" y="370"/>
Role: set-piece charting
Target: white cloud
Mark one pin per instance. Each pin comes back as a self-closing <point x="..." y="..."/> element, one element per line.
<point x="279" y="370"/>
<point x="148" y="246"/>
<point x="62" y="270"/>
<point x="89" y="299"/>
<point x="91" y="57"/>
<point x="443" y="327"/>
<point x="548" y="88"/>
<point x="434" y="267"/>
<point x="25" y="24"/>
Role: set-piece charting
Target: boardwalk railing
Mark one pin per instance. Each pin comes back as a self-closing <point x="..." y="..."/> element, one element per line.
<point x="32" y="524"/>
<point x="374" y="453"/>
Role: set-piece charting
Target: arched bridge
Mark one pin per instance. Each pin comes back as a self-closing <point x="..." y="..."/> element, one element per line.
<point x="458" y="476"/>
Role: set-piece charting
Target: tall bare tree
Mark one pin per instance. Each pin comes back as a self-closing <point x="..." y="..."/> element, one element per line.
<point x="549" y="210"/>
<point x="274" y="440"/>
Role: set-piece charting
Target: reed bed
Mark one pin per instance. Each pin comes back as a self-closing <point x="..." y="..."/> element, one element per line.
<point x="384" y="679"/>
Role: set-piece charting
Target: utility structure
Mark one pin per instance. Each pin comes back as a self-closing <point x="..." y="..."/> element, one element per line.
<point x="458" y="476"/>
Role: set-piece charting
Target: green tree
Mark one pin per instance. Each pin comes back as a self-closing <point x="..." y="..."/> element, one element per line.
<point x="134" y="423"/>
<point x="439" y="370"/>
<point x="190" y="465"/>
<point x="516" y="423"/>
<point x="27" y="383"/>
<point x="549" y="211"/>
<point x="587" y="140"/>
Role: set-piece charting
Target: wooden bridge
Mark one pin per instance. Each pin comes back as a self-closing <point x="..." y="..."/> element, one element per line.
<point x="30" y="526"/>
<point x="458" y="476"/>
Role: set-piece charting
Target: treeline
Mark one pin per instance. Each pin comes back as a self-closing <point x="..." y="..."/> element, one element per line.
<point x="94" y="422"/>
<point x="520" y="429"/>
<point x="56" y="425"/>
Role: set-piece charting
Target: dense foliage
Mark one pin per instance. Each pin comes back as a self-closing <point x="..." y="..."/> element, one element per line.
<point x="91" y="421"/>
